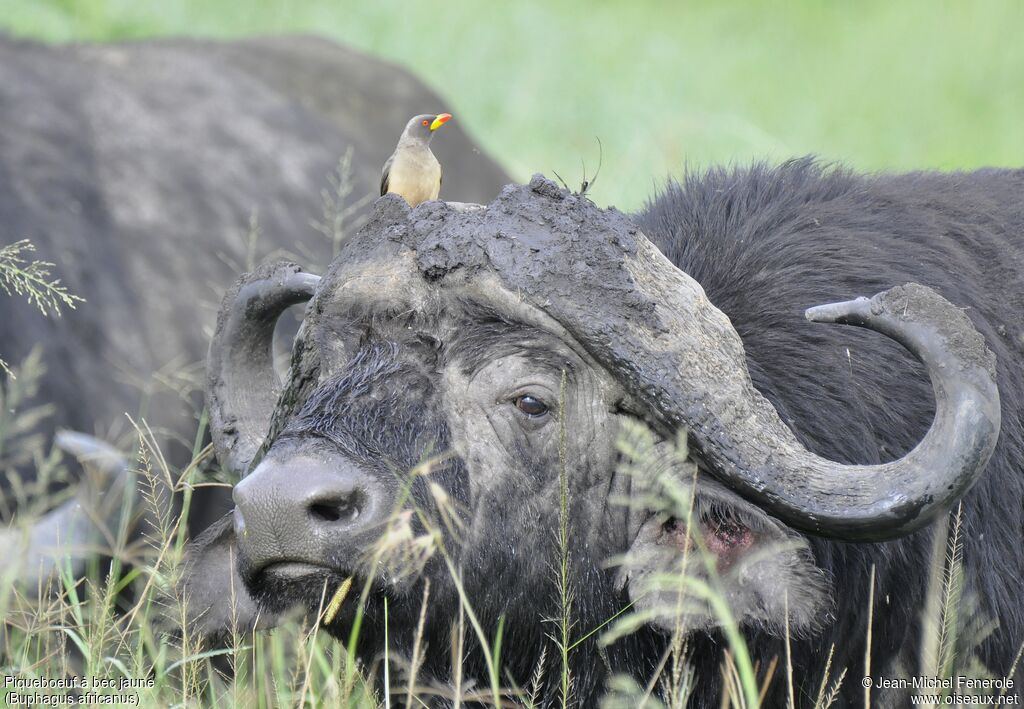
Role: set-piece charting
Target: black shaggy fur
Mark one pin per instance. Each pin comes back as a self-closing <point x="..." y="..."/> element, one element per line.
<point x="373" y="411"/>
<point x="767" y="242"/>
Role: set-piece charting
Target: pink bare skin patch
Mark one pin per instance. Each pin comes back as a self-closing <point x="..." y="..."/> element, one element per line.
<point x="728" y="541"/>
<point x="725" y="539"/>
<point x="764" y="570"/>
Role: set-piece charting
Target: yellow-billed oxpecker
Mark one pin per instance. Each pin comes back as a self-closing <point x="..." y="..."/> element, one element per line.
<point x="412" y="170"/>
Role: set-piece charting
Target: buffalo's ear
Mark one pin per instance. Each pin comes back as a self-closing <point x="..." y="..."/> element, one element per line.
<point x="215" y="601"/>
<point x="732" y="549"/>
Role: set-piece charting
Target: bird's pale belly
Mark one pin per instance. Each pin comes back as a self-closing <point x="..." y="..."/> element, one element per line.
<point x="417" y="180"/>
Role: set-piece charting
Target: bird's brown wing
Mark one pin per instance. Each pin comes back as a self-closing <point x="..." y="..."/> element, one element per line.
<point x="440" y="178"/>
<point x="385" y="174"/>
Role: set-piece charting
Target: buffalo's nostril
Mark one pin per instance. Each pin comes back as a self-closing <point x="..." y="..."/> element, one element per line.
<point x="338" y="509"/>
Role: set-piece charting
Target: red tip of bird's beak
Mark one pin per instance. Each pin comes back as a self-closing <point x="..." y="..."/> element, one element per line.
<point x="440" y="120"/>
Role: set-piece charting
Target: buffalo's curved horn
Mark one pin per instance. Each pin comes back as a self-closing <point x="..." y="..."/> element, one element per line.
<point x="595" y="273"/>
<point x="242" y="385"/>
<point x="744" y="442"/>
<point x="964" y="432"/>
<point x="67" y="536"/>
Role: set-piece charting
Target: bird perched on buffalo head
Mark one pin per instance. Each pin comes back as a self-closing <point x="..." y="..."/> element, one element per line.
<point x="412" y="170"/>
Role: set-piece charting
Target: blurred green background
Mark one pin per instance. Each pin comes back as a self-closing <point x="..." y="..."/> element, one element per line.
<point x="878" y="84"/>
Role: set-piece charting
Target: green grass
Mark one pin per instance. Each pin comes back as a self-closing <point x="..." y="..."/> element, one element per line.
<point x="877" y="84"/>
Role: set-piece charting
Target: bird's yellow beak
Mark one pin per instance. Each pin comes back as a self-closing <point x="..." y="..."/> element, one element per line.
<point x="441" y="119"/>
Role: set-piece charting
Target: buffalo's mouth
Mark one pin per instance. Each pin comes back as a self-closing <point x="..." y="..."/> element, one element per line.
<point x="287" y="571"/>
<point x="280" y="585"/>
<point x="339" y="600"/>
<point x="294" y="569"/>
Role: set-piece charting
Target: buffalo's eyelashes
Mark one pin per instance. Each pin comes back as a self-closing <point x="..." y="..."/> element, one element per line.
<point x="531" y="406"/>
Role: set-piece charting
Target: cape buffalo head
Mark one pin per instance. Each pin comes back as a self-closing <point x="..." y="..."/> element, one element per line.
<point x="503" y="350"/>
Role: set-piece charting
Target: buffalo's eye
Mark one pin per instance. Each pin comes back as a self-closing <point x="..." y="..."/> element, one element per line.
<point x="530" y="405"/>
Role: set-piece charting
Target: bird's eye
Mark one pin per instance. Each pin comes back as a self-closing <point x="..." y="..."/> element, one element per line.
<point x="530" y="405"/>
<point x="426" y="122"/>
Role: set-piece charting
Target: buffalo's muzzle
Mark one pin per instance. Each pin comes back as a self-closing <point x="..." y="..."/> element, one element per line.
<point x="307" y="509"/>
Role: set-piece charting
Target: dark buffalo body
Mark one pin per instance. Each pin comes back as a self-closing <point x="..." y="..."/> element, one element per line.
<point x="138" y="169"/>
<point x="408" y="353"/>
<point x="767" y="242"/>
